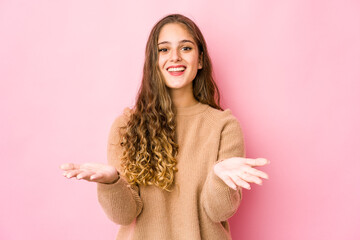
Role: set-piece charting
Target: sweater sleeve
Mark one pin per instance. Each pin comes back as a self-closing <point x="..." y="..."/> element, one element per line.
<point x="120" y="201"/>
<point x="220" y="201"/>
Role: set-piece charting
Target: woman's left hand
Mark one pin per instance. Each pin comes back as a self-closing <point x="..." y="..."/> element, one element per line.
<point x="238" y="171"/>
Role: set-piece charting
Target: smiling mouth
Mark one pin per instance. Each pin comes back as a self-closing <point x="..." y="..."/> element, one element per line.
<point x="176" y="69"/>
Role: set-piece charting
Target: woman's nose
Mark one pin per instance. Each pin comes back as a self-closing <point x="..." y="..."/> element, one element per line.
<point x="175" y="56"/>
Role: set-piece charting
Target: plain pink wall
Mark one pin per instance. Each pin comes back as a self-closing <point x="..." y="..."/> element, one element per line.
<point x="289" y="70"/>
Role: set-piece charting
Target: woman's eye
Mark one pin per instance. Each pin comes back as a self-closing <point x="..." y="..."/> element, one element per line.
<point x="162" y="50"/>
<point x="187" y="48"/>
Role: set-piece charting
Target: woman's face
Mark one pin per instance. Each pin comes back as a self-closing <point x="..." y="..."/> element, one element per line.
<point x="178" y="56"/>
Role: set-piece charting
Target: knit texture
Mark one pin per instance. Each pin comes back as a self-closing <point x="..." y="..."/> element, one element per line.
<point x="200" y="203"/>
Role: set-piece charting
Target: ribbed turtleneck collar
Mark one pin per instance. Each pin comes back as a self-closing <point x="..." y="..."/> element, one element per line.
<point x="192" y="110"/>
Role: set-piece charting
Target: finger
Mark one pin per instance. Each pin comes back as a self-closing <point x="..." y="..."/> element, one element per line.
<point x="227" y="180"/>
<point x="71" y="173"/>
<point x="250" y="178"/>
<point x="257" y="161"/>
<point x="256" y="172"/>
<point x="85" y="175"/>
<point x="69" y="166"/>
<point x="238" y="181"/>
<point x="96" y="176"/>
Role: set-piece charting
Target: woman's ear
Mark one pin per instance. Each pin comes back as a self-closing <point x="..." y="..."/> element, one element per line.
<point x="201" y="60"/>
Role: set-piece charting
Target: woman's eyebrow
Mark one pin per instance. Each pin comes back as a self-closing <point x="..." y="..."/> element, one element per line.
<point x="182" y="41"/>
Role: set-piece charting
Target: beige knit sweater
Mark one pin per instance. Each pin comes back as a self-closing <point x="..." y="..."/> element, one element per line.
<point x="201" y="203"/>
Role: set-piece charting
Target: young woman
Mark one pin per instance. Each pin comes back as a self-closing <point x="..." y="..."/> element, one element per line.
<point x="177" y="161"/>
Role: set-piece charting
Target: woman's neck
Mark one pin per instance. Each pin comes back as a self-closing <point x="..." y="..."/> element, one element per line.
<point x="183" y="97"/>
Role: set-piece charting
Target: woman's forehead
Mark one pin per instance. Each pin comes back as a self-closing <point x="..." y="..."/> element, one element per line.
<point x="174" y="33"/>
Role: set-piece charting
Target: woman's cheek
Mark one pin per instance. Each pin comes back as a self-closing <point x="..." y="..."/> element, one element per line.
<point x="161" y="62"/>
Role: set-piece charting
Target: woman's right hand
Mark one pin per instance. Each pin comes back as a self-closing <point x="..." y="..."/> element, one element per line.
<point x="92" y="172"/>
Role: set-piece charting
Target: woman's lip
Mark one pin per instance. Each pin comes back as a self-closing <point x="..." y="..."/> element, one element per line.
<point x="176" y="73"/>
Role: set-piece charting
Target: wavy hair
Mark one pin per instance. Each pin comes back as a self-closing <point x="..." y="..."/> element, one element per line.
<point x="149" y="140"/>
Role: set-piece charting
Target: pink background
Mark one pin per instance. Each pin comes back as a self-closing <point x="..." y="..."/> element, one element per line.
<point x="288" y="70"/>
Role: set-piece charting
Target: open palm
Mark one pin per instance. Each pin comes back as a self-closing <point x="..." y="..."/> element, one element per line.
<point x="92" y="172"/>
<point x="238" y="171"/>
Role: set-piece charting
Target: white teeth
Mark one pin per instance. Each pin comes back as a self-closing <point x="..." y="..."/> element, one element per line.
<point x="176" y="69"/>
